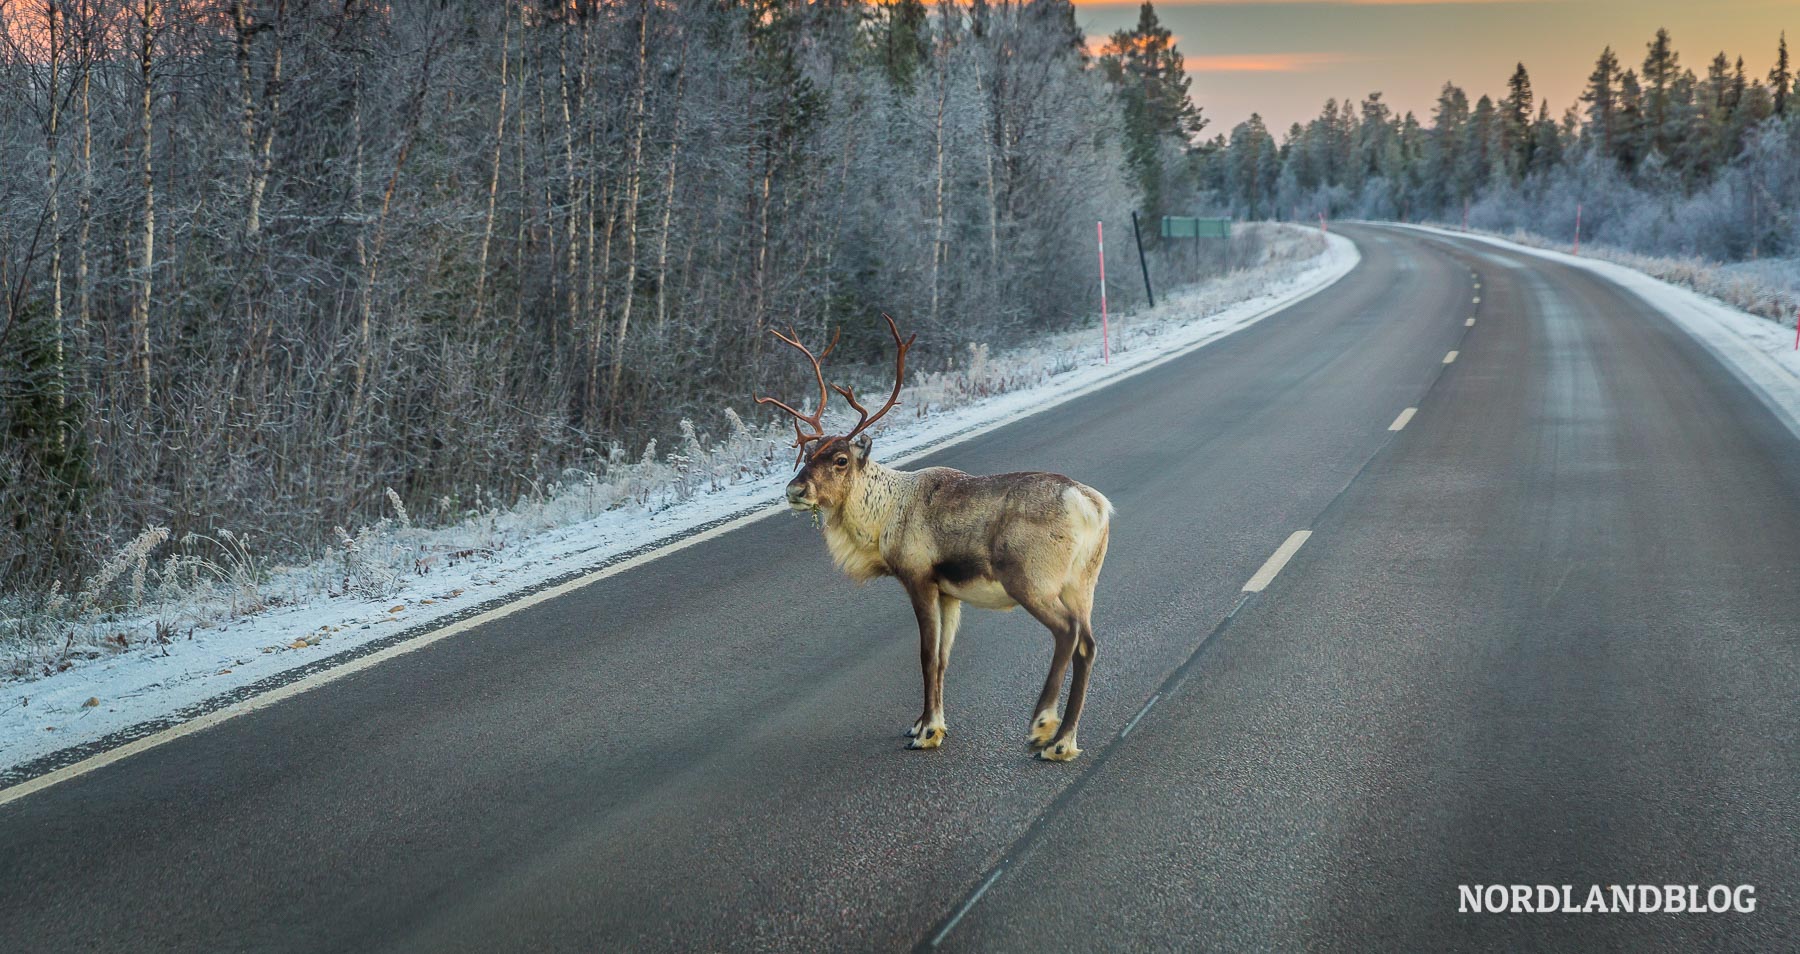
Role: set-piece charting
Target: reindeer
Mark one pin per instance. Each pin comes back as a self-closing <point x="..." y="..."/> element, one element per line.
<point x="1028" y="539"/>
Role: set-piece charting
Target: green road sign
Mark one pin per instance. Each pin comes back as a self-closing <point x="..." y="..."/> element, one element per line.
<point x="1184" y="226"/>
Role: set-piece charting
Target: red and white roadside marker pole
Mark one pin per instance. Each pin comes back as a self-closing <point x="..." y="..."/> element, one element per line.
<point x="1578" y="228"/>
<point x="1797" y="330"/>
<point x="1322" y="227"/>
<point x="1105" y="337"/>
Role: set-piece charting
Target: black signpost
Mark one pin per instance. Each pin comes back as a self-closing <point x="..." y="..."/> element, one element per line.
<point x="1141" y="263"/>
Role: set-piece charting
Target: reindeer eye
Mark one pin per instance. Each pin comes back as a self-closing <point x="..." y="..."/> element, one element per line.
<point x="842" y="460"/>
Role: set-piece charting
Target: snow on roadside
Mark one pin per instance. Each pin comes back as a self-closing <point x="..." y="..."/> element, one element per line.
<point x="1757" y="350"/>
<point x="502" y="553"/>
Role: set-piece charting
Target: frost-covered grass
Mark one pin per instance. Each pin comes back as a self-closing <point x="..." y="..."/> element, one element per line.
<point x="157" y="591"/>
<point x="1768" y="288"/>
<point x="173" y="621"/>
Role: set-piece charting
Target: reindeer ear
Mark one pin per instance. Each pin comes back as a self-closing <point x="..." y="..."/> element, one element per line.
<point x="863" y="445"/>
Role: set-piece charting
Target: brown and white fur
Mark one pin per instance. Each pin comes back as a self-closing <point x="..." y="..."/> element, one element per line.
<point x="1030" y="539"/>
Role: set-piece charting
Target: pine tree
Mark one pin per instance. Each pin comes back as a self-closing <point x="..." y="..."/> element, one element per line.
<point x="904" y="45"/>
<point x="1146" y="68"/>
<point x="1546" y="142"/>
<point x="1476" y="163"/>
<point x="1411" y="140"/>
<point x="1375" y="148"/>
<point x="1343" y="146"/>
<point x="1688" y="129"/>
<point x="1443" y="147"/>
<point x="1707" y="142"/>
<point x="1515" y="123"/>
<point x="1781" y="78"/>
<point x="1731" y="113"/>
<point x="1251" y="170"/>
<point x="1718" y="83"/>
<point x="1661" y="66"/>
<point x="1601" y="102"/>
<point x="1630" y="140"/>
<point x="1268" y="173"/>
<point x="1146" y="57"/>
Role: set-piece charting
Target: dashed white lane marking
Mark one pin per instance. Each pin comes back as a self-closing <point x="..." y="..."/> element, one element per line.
<point x="1140" y="714"/>
<point x="1469" y="324"/>
<point x="1450" y="357"/>
<point x="1400" y="422"/>
<point x="1477" y="286"/>
<point x="949" y="926"/>
<point x="1477" y="299"/>
<point x="1276" y="561"/>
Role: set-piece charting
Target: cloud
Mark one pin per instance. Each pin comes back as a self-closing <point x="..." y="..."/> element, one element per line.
<point x="1246" y="62"/>
<point x="1263" y="62"/>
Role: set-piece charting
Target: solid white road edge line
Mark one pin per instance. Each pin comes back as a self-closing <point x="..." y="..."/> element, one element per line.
<point x="1400" y="422"/>
<point x="1276" y="561"/>
<point x="298" y="686"/>
<point x="317" y="679"/>
<point x="949" y="926"/>
<point x="1140" y="714"/>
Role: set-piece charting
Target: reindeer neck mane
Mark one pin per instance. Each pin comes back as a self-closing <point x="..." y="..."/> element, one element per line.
<point x="853" y="531"/>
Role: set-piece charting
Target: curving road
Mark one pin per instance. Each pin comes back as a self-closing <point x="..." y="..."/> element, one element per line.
<point x="1543" y="633"/>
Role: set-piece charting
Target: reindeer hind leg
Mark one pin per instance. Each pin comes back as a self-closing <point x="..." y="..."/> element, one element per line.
<point x="1063" y="746"/>
<point x="1049" y="609"/>
<point x="1078" y="596"/>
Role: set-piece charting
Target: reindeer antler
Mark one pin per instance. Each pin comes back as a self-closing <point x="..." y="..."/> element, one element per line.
<point x="815" y="419"/>
<point x="899" y="377"/>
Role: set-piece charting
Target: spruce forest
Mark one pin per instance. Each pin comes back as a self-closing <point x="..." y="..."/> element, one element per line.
<point x="1661" y="160"/>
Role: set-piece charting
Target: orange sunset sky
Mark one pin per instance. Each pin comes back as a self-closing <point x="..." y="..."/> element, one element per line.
<point x="1283" y="59"/>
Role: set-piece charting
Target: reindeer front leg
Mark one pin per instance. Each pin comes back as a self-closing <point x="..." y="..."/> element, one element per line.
<point x="930" y="730"/>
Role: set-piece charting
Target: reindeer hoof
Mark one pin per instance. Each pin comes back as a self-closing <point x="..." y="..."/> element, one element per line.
<point x="912" y="731"/>
<point x="1043" y="729"/>
<point x="1064" y="751"/>
<point x="930" y="737"/>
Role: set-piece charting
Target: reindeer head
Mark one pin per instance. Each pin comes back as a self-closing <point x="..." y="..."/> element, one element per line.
<point x="831" y="471"/>
<point x="834" y="463"/>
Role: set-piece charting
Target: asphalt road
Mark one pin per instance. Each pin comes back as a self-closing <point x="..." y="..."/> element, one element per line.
<point x="1543" y="634"/>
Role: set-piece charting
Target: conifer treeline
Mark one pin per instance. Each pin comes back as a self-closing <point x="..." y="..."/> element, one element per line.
<point x="1662" y="159"/>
